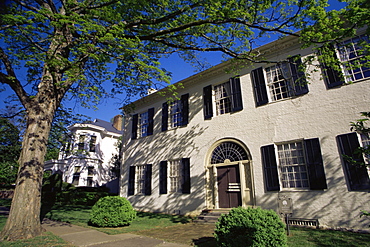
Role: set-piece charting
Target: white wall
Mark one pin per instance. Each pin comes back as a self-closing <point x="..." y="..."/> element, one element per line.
<point x="321" y="113"/>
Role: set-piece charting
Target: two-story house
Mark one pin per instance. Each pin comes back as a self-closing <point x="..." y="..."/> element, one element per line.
<point x="88" y="158"/>
<point x="248" y="139"/>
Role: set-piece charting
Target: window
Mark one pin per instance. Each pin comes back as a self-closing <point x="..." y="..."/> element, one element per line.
<point x="357" y="175"/>
<point x="365" y="143"/>
<point x="292" y="165"/>
<point x="92" y="143"/>
<point x="177" y="174"/>
<point x="90" y="176"/>
<point x="176" y="113"/>
<point x="76" y="175"/>
<point x="81" y="142"/>
<point x="222" y="98"/>
<point x="350" y="60"/>
<point x="226" y="97"/>
<point x="280" y="81"/>
<point x="140" y="180"/>
<point x="142" y="124"/>
<point x="228" y="151"/>
<point x="298" y="165"/>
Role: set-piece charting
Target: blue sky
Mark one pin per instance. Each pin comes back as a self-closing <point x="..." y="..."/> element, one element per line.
<point x="108" y="108"/>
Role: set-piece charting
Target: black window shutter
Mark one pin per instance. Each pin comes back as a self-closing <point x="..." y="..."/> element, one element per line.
<point x="207" y="102"/>
<point x="332" y="77"/>
<point x="184" y="109"/>
<point x="259" y="85"/>
<point x="135" y="119"/>
<point x="150" y="121"/>
<point x="270" y="168"/>
<point x="236" y="94"/>
<point x="148" y="179"/>
<point x="357" y="176"/>
<point x="298" y="75"/>
<point x="131" y="181"/>
<point x="185" y="176"/>
<point x="315" y="164"/>
<point x="164" y="116"/>
<point x="163" y="177"/>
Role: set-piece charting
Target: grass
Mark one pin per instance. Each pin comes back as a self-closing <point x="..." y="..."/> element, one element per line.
<point x="47" y="239"/>
<point x="179" y="229"/>
<point x="167" y="227"/>
<point x="79" y="215"/>
<point x="303" y="237"/>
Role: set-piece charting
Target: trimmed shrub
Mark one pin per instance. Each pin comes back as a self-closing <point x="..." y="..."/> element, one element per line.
<point x="112" y="211"/>
<point x="250" y="227"/>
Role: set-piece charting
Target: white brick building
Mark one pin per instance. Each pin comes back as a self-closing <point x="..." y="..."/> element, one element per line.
<point x="247" y="140"/>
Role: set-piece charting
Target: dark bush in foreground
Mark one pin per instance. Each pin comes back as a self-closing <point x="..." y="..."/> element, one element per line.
<point x="112" y="211"/>
<point x="250" y="227"/>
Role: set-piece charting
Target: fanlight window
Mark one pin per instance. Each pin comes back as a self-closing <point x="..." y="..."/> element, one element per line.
<point x="228" y="151"/>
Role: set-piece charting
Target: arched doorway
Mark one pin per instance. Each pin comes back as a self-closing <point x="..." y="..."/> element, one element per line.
<point x="229" y="175"/>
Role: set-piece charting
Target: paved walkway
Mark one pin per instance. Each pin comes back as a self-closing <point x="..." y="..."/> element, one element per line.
<point x="81" y="236"/>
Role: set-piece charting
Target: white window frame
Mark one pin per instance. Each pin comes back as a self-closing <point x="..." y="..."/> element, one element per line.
<point x="76" y="174"/>
<point x="175" y="114"/>
<point x="348" y="54"/>
<point x="81" y="142"/>
<point x="283" y="72"/>
<point x="143" y="123"/>
<point x="292" y="166"/>
<point x="222" y="98"/>
<point x="92" y="143"/>
<point x="175" y="176"/>
<point x="364" y="139"/>
<point x="140" y="172"/>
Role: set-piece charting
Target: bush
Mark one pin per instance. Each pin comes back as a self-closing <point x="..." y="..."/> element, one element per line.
<point x="75" y="197"/>
<point x="250" y="227"/>
<point x="112" y="211"/>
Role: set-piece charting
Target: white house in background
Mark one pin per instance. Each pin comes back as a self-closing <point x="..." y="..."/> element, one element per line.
<point x="88" y="158"/>
<point x="250" y="139"/>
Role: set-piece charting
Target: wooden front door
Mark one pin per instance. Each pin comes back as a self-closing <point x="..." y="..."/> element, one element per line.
<point x="228" y="181"/>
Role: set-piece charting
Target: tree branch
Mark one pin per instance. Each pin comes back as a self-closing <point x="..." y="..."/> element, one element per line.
<point x="11" y="79"/>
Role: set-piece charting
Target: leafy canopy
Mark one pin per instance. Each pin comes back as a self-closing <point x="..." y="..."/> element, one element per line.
<point x="80" y="45"/>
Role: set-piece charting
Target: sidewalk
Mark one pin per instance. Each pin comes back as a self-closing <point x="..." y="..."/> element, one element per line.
<point x="80" y="236"/>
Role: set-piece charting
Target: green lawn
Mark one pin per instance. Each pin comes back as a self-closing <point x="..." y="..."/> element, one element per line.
<point x="152" y="224"/>
<point x="79" y="215"/>
<point x="46" y="240"/>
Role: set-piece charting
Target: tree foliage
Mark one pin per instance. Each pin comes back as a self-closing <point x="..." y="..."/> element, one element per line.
<point x="50" y="49"/>
<point x="10" y="148"/>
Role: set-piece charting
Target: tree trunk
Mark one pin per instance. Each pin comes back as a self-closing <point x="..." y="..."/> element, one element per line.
<point x="24" y="217"/>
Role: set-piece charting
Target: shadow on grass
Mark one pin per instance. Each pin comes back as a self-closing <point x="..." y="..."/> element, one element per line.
<point x="173" y="218"/>
<point x="205" y="242"/>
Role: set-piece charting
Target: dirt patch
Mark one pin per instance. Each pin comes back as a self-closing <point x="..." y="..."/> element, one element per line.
<point x="191" y="234"/>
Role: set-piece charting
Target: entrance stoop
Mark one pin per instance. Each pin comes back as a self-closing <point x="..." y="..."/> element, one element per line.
<point x="210" y="216"/>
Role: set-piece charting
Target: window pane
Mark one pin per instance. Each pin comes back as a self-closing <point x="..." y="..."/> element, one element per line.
<point x="293" y="169"/>
<point x="143" y="124"/>
<point x="223" y="98"/>
<point x="353" y="58"/>
<point x="175" y="113"/>
<point x="175" y="176"/>
<point x="140" y="179"/>
<point x="278" y="81"/>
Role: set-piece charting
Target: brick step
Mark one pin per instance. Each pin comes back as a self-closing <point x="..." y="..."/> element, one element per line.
<point x="210" y="216"/>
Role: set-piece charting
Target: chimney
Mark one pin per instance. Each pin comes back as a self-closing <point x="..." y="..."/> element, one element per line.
<point x="117" y="122"/>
